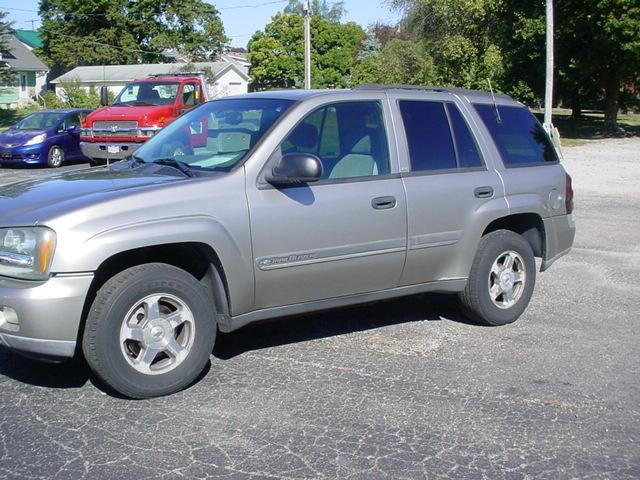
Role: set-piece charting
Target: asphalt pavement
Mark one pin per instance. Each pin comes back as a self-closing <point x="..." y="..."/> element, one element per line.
<point x="404" y="389"/>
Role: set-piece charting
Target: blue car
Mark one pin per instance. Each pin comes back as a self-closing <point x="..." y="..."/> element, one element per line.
<point x="47" y="137"/>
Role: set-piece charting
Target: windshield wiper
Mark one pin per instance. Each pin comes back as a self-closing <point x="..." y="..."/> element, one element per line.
<point x="184" y="167"/>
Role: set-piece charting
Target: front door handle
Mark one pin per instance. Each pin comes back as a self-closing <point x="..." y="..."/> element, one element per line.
<point x="483" y="192"/>
<point x="383" y="203"/>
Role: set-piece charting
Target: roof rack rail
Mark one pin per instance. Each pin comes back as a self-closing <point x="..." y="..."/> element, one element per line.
<point x="429" y="88"/>
<point x="176" y="74"/>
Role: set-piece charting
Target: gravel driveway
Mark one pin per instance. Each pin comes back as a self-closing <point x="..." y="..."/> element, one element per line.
<point x="401" y="389"/>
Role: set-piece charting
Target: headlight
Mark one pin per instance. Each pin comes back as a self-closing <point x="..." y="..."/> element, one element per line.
<point x="26" y="252"/>
<point x="37" y="139"/>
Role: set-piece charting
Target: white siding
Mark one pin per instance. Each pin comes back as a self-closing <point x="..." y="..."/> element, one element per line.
<point x="230" y="83"/>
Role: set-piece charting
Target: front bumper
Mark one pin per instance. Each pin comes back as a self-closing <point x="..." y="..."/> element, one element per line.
<point x="100" y="150"/>
<point x="45" y="316"/>
<point x="20" y="155"/>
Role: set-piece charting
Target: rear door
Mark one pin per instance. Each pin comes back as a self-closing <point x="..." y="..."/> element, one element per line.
<point x="343" y="235"/>
<point x="451" y="189"/>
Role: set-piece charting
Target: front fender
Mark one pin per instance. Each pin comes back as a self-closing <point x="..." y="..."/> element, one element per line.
<point x="76" y="254"/>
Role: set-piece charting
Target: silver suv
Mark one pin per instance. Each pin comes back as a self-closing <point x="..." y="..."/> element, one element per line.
<point x="280" y="203"/>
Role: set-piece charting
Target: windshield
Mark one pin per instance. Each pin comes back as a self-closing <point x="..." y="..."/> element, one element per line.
<point x="39" y="121"/>
<point x="148" y="93"/>
<point x="215" y="136"/>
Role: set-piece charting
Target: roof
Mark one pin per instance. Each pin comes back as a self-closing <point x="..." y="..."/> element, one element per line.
<point x="63" y="110"/>
<point x="30" y="37"/>
<point x="431" y="88"/>
<point x="299" y="94"/>
<point x="126" y="73"/>
<point x="20" y="58"/>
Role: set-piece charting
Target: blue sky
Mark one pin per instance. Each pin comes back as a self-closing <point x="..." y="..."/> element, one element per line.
<point x="239" y="23"/>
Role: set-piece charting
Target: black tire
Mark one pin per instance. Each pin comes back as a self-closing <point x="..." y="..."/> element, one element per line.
<point x="112" y="307"/>
<point x="55" y="157"/>
<point x="476" y="299"/>
<point x="96" y="162"/>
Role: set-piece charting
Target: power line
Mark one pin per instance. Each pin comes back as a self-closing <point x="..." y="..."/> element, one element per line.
<point x="125" y="49"/>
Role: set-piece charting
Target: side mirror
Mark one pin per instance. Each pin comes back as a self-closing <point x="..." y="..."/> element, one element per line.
<point x="296" y="168"/>
<point x="104" y="96"/>
<point x="71" y="128"/>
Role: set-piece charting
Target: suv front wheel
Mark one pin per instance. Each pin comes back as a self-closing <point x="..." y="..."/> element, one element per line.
<point x="150" y="331"/>
<point x="501" y="280"/>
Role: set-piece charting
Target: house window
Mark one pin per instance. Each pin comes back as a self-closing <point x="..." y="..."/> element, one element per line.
<point x="23" y="83"/>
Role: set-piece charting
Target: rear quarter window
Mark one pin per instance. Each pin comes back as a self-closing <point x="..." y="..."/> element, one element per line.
<point x="518" y="135"/>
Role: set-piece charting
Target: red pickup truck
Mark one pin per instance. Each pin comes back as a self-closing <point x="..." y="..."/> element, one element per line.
<point x="140" y="110"/>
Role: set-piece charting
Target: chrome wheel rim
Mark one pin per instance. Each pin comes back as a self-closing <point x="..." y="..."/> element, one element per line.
<point x="507" y="279"/>
<point x="56" y="156"/>
<point x="157" y="334"/>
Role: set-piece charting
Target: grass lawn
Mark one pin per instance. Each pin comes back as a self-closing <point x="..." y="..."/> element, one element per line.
<point x="574" y="132"/>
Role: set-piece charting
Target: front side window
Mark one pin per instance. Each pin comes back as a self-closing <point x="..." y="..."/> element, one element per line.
<point x="215" y="136"/>
<point x="349" y="138"/>
<point x="148" y="93"/>
<point x="518" y="135"/>
<point x="189" y="95"/>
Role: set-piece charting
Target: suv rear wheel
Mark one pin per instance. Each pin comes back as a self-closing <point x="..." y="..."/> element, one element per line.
<point x="150" y="331"/>
<point x="501" y="280"/>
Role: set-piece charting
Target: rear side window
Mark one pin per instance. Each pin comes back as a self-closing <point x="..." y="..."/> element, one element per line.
<point x="468" y="156"/>
<point x="518" y="135"/>
<point x="438" y="137"/>
<point x="428" y="135"/>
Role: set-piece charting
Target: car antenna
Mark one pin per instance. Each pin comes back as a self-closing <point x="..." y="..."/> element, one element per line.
<point x="495" y="105"/>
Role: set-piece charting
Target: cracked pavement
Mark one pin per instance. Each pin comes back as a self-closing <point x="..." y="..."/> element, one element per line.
<point x="404" y="389"/>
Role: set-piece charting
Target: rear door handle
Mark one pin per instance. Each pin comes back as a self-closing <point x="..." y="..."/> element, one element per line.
<point x="383" y="203"/>
<point x="483" y="192"/>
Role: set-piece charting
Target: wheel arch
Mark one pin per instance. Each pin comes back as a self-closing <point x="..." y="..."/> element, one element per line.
<point x="197" y="259"/>
<point x="529" y="225"/>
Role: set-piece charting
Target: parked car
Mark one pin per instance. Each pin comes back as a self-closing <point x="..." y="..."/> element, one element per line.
<point x="141" y="109"/>
<point x="280" y="203"/>
<point x="46" y="137"/>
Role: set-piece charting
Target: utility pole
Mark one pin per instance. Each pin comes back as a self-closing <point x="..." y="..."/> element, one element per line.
<point x="307" y="44"/>
<point x="548" y="93"/>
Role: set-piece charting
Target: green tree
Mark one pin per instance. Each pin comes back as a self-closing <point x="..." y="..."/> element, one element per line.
<point x="329" y="11"/>
<point x="115" y="32"/>
<point x="602" y="39"/>
<point x="460" y="35"/>
<point x="370" y="47"/>
<point x="7" y="75"/>
<point x="400" y="61"/>
<point x="597" y="51"/>
<point x="277" y="53"/>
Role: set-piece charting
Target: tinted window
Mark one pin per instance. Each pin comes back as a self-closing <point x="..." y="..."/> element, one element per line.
<point x="349" y="138"/>
<point x="518" y="135"/>
<point x="428" y="135"/>
<point x="467" y="149"/>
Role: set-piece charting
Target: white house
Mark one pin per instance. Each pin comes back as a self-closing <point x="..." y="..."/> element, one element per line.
<point x="229" y="78"/>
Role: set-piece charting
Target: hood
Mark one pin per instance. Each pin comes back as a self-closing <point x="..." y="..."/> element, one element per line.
<point x="15" y="137"/>
<point x="144" y="115"/>
<point x="35" y="201"/>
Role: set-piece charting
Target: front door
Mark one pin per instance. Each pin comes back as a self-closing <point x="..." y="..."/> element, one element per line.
<point x="343" y="235"/>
